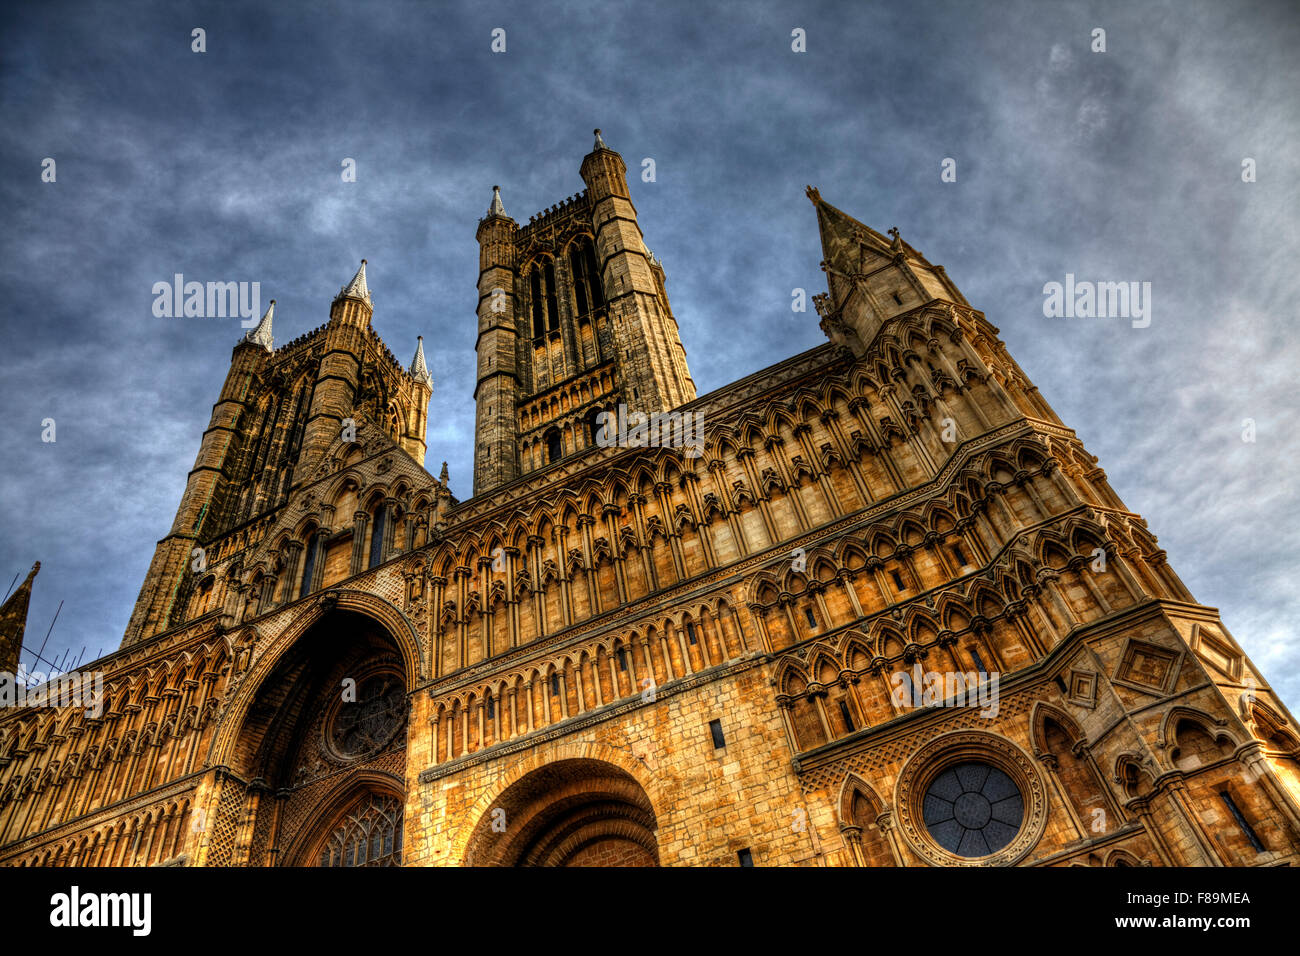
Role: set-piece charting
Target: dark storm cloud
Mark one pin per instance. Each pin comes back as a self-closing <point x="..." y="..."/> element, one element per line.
<point x="226" y="166"/>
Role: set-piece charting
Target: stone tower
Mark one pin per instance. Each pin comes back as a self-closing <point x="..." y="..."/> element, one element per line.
<point x="573" y="319"/>
<point x="280" y="411"/>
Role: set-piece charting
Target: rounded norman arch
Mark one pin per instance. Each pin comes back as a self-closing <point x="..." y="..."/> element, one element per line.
<point x="587" y="805"/>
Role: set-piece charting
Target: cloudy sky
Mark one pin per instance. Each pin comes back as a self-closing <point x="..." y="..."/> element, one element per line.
<point x="225" y="165"/>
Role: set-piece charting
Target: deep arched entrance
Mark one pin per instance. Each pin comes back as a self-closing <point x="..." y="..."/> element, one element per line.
<point x="576" y="812"/>
<point x="318" y="766"/>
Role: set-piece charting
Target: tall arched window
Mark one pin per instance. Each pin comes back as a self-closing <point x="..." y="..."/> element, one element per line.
<point x="546" y="311"/>
<point x="554" y="447"/>
<point x="586" y="277"/>
<point x="377" y="536"/>
<point x="370" y="834"/>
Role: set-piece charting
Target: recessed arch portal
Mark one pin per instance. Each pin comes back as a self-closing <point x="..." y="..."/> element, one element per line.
<point x="575" y="812"/>
<point x="317" y="760"/>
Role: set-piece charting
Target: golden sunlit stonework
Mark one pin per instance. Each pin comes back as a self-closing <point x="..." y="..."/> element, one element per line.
<point x="639" y="656"/>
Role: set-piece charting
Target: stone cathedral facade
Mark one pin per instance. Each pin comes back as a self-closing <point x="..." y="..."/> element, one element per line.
<point x="890" y="613"/>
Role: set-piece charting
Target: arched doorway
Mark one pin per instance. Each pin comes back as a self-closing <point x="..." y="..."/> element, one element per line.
<point x="318" y="764"/>
<point x="576" y="812"/>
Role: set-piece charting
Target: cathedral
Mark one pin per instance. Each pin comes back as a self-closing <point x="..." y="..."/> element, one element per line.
<point x="883" y="609"/>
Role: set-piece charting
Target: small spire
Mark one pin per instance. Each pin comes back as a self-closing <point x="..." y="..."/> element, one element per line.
<point x="600" y="143"/>
<point x="443" y="477"/>
<point x="13" y="622"/>
<point x="496" y="209"/>
<point x="262" y="334"/>
<point x="357" y="289"/>
<point x="420" y="371"/>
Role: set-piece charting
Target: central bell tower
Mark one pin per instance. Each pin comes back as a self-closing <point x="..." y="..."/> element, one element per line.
<point x="573" y="320"/>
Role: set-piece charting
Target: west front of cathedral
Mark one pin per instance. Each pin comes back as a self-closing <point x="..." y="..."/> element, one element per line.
<point x="887" y="611"/>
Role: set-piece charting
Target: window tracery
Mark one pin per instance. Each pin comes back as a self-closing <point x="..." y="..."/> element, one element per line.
<point x="366" y="725"/>
<point x="370" y="834"/>
<point x="973" y="809"/>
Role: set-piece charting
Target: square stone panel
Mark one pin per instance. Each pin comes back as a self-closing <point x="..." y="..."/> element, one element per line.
<point x="1148" y="667"/>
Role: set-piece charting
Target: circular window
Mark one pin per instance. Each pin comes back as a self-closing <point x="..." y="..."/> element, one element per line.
<point x="365" y="725"/>
<point x="973" y="809"/>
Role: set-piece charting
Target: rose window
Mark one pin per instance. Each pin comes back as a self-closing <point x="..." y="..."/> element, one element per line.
<point x="365" y="725"/>
<point x="973" y="809"/>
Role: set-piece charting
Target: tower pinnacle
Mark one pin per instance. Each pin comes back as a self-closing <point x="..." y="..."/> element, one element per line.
<point x="600" y="143"/>
<point x="419" y="370"/>
<point x="13" y="622"/>
<point x="357" y="288"/>
<point x="262" y="334"/>
<point x="497" y="209"/>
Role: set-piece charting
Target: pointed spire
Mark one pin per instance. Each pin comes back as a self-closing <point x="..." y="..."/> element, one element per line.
<point x="357" y="289"/>
<point x="600" y="143"/>
<point x="420" y="371"/>
<point x="443" y="477"/>
<point x="496" y="209"/>
<point x="13" y="622"/>
<point x="262" y="334"/>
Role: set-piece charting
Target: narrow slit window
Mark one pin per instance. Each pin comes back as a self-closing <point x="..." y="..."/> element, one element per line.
<point x="593" y="275"/>
<point x="555" y="684"/>
<point x="552" y="304"/>
<point x="848" y="718"/>
<point x="309" y="567"/>
<point x="622" y="659"/>
<point x="535" y="287"/>
<point x="1245" y="826"/>
<point x="808" y="614"/>
<point x="961" y="555"/>
<point x="745" y="857"/>
<point x="719" y="739"/>
<point x="491" y="708"/>
<point x="690" y="632"/>
<point x="979" y="664"/>
<point x="377" y="536"/>
<point x="898" y="580"/>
